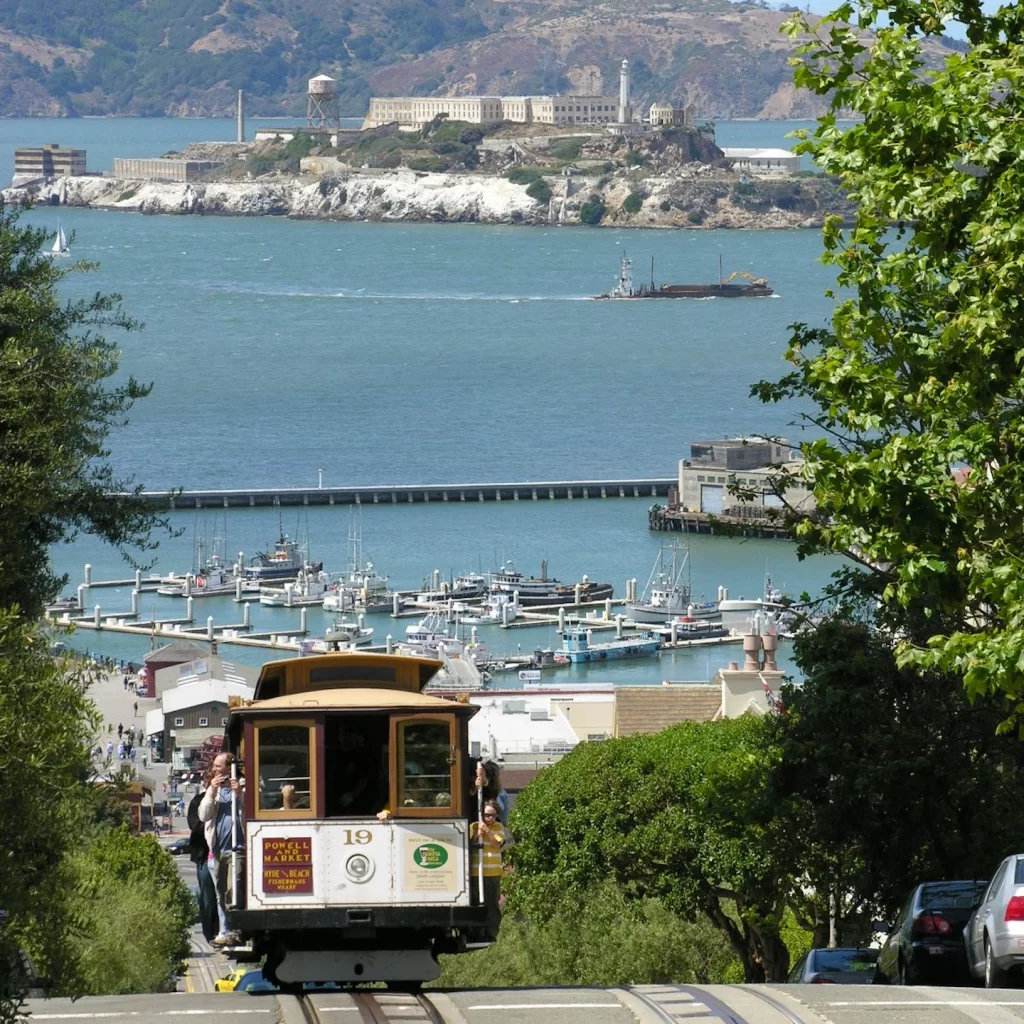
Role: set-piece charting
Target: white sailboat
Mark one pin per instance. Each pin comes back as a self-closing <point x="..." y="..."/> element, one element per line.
<point x="60" y="245"/>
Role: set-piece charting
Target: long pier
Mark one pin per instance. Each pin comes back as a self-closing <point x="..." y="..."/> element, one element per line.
<point x="395" y="494"/>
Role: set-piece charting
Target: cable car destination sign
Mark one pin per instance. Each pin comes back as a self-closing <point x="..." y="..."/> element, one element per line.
<point x="287" y="865"/>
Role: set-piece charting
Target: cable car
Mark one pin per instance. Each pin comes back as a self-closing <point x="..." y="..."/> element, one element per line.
<point x="326" y="889"/>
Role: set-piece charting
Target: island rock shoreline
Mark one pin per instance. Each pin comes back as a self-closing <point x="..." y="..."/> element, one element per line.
<point x="414" y="196"/>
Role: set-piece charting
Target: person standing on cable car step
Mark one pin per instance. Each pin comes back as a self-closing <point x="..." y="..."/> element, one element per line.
<point x="215" y="813"/>
<point x="487" y="839"/>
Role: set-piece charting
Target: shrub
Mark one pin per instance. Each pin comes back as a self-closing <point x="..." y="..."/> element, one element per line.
<point x="592" y="210"/>
<point x="387" y="160"/>
<point x="539" y="190"/>
<point x="633" y="159"/>
<point x="470" y="135"/>
<point x="567" y="149"/>
<point x="664" y="206"/>
<point x="258" y="165"/>
<point x="695" y="217"/>
<point x="429" y="163"/>
<point x="520" y="175"/>
<point x="634" y="202"/>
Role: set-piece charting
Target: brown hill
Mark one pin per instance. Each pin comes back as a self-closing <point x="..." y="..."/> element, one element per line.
<point x="174" y="57"/>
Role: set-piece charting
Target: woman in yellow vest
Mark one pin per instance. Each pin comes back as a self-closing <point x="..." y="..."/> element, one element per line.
<point x="488" y="840"/>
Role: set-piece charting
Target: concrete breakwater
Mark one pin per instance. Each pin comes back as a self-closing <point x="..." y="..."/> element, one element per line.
<point x="404" y="195"/>
<point x="411" y="493"/>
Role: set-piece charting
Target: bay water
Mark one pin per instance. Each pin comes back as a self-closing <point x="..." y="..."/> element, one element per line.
<point x="413" y="353"/>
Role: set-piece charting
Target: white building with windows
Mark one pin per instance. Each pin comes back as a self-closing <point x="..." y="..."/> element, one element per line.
<point x="763" y="161"/>
<point x="752" y="463"/>
<point x="415" y="111"/>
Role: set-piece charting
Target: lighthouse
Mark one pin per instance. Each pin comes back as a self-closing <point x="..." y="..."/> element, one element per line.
<point x="624" y="113"/>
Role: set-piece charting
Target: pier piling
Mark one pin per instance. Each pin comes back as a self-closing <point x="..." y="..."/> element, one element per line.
<point x="245" y="615"/>
<point x="88" y="575"/>
<point x="96" y="617"/>
<point x="209" y="628"/>
<point x="396" y="606"/>
<point x="188" y="608"/>
<point x="135" y="602"/>
<point x="608" y="608"/>
<point x="618" y="627"/>
<point x="561" y="620"/>
<point x="389" y="644"/>
<point x="81" y="595"/>
<point x="302" y="620"/>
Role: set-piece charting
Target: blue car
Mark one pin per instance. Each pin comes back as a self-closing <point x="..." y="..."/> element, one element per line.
<point x="255" y="984"/>
<point x="835" y="967"/>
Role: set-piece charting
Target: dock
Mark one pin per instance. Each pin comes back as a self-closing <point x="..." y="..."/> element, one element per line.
<point x="394" y="494"/>
<point x="678" y="520"/>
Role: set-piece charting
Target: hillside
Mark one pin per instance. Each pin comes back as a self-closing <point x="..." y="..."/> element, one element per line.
<point x="188" y="57"/>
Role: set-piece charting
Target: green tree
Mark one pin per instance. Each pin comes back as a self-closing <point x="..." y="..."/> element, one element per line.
<point x="916" y="385"/>
<point x="886" y="776"/>
<point x="634" y="202"/>
<point x="57" y="408"/>
<point x="46" y="728"/>
<point x="683" y="817"/>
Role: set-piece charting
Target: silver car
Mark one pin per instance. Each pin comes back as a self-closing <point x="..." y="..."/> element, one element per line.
<point x="994" y="935"/>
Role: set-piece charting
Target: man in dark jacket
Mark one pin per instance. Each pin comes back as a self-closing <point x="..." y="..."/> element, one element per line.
<point x="199" y="853"/>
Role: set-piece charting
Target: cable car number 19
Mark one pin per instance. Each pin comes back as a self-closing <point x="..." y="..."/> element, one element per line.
<point x="360" y="837"/>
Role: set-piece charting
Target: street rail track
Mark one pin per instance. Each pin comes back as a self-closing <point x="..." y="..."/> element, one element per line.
<point x="372" y="1007"/>
<point x="661" y="1000"/>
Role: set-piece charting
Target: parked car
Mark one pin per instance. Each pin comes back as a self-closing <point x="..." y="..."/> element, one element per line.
<point x="994" y="936"/>
<point x="253" y="983"/>
<point x="926" y="941"/>
<point x="180" y="846"/>
<point x="835" y="967"/>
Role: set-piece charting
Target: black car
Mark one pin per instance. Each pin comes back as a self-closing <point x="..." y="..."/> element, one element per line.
<point x="835" y="967"/>
<point x="180" y="846"/>
<point x="926" y="943"/>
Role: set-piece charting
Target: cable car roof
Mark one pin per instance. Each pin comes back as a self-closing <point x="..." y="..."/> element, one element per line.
<point x="356" y="699"/>
<point x="345" y="669"/>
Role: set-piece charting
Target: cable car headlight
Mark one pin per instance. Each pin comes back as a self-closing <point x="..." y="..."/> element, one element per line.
<point x="359" y="867"/>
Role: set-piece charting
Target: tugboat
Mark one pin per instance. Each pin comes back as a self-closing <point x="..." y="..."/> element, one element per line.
<point x="577" y="646"/>
<point x="757" y="287"/>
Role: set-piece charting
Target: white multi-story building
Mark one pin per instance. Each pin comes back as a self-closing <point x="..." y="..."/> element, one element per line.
<point x="415" y="111"/>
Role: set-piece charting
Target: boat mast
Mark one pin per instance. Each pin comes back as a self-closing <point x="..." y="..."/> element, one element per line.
<point x="652" y="273"/>
<point x="721" y="275"/>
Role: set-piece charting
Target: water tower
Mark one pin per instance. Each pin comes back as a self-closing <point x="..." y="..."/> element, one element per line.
<point x="322" y="104"/>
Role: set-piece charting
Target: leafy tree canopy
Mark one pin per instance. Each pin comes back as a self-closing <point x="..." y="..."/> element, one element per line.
<point x="57" y="408"/>
<point x="681" y="817"/>
<point x="917" y="384"/>
<point x="886" y="776"/>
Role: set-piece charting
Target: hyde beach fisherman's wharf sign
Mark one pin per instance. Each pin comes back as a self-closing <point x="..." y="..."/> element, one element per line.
<point x="287" y="865"/>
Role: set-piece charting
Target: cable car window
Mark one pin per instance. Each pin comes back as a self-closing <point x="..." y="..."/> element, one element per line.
<point x="283" y="758"/>
<point x="426" y="766"/>
<point x="357" y="673"/>
<point x="356" y="765"/>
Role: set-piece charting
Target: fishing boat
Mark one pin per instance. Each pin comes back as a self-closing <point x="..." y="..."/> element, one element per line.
<point x="285" y="562"/>
<point x="430" y="634"/>
<point x="213" y="578"/>
<point x="463" y="588"/>
<point x="666" y="595"/>
<point x="60" y="245"/>
<point x="344" y="631"/>
<point x="756" y="287"/>
<point x="577" y="646"/>
<point x="538" y="591"/>
<point x="307" y="588"/>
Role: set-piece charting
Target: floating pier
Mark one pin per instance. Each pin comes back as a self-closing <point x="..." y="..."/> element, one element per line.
<point x="395" y="494"/>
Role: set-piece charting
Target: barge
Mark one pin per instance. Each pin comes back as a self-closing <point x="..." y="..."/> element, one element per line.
<point x="756" y="287"/>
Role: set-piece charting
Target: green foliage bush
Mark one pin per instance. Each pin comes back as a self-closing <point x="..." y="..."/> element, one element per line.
<point x="539" y="190"/>
<point x="603" y="939"/>
<point x="471" y="135"/>
<point x="521" y="175"/>
<point x="695" y="216"/>
<point x="633" y="159"/>
<point x="634" y="202"/>
<point x="664" y="206"/>
<point x="567" y="149"/>
<point x="258" y="164"/>
<point x="429" y="163"/>
<point x="592" y="210"/>
<point x="135" y="915"/>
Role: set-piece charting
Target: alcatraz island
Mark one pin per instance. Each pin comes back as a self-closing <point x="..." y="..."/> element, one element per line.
<point x="556" y="159"/>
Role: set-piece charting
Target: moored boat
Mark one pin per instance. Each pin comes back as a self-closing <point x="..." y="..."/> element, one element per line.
<point x="539" y="591"/>
<point x="307" y="588"/>
<point x="283" y="563"/>
<point x="578" y="646"/>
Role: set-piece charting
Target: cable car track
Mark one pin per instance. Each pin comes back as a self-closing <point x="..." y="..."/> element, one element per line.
<point x="372" y="1007"/>
<point x="716" y="1008"/>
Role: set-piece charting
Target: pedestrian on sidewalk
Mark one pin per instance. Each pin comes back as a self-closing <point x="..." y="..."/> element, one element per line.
<point x="136" y="709"/>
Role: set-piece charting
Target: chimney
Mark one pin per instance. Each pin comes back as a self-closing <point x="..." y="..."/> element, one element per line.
<point x="770" y="642"/>
<point x="752" y="653"/>
<point x="241" y="115"/>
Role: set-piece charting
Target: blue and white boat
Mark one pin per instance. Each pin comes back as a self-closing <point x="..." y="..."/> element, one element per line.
<point x="577" y="646"/>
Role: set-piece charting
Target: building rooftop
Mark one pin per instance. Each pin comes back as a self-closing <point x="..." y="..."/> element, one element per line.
<point x="650" y="709"/>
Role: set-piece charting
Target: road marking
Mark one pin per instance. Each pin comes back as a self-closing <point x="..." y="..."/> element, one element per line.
<point x="930" y="1002"/>
<point x="140" y="1013"/>
<point x="547" y="1006"/>
<point x="189" y="988"/>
